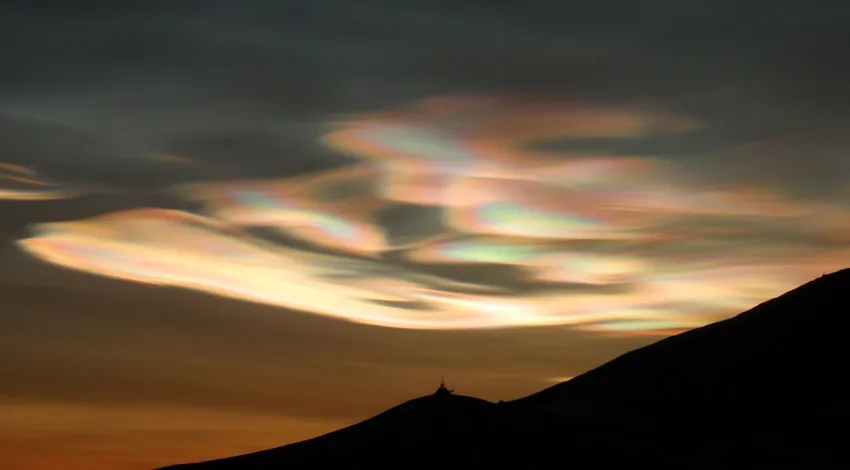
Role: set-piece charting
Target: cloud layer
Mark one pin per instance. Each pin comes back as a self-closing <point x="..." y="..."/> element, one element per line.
<point x="602" y="242"/>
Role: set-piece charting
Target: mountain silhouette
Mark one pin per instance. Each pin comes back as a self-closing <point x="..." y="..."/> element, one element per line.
<point x="769" y="388"/>
<point x="770" y="383"/>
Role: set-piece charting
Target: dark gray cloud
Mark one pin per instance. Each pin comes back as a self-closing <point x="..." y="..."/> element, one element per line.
<point x="288" y="58"/>
<point x="193" y="76"/>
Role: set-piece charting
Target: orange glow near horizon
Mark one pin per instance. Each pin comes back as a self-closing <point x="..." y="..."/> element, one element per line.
<point x="100" y="437"/>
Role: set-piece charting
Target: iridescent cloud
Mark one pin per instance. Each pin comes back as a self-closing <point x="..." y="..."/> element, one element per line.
<point x="430" y="148"/>
<point x="23" y="184"/>
<point x="334" y="209"/>
<point x="599" y="242"/>
<point x="487" y="136"/>
<point x="163" y="247"/>
<point x="546" y="262"/>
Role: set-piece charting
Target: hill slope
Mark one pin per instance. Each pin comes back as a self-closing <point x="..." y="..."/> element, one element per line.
<point x="770" y="381"/>
<point x="446" y="431"/>
<point x="768" y="388"/>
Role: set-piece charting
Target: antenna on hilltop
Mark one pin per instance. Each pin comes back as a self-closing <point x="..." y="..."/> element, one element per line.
<point x="443" y="390"/>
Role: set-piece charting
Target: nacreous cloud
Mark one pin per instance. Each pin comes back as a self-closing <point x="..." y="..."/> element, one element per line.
<point x="163" y="247"/>
<point x="22" y="184"/>
<point x="427" y="149"/>
<point x="335" y="209"/>
<point x="599" y="242"/>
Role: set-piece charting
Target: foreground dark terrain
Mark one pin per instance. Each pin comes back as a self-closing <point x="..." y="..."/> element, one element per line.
<point x="768" y="388"/>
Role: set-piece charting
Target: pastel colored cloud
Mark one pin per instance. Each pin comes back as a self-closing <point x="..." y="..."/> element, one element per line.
<point x="598" y="242"/>
<point x="23" y="184"/>
<point x="178" y="249"/>
<point x="487" y="136"/>
<point x="427" y="149"/>
<point x="173" y="248"/>
<point x="333" y="209"/>
<point x="546" y="262"/>
<point x="163" y="247"/>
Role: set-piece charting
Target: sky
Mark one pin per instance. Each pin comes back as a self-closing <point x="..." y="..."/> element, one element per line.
<point x="230" y="225"/>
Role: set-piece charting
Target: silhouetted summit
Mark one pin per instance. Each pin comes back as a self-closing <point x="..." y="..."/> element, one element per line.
<point x="434" y="422"/>
<point x="443" y="390"/>
<point x="768" y="388"/>
<point x="788" y="350"/>
<point x="770" y="384"/>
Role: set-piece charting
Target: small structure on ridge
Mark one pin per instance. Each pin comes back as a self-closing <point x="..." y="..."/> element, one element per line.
<point x="442" y="390"/>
